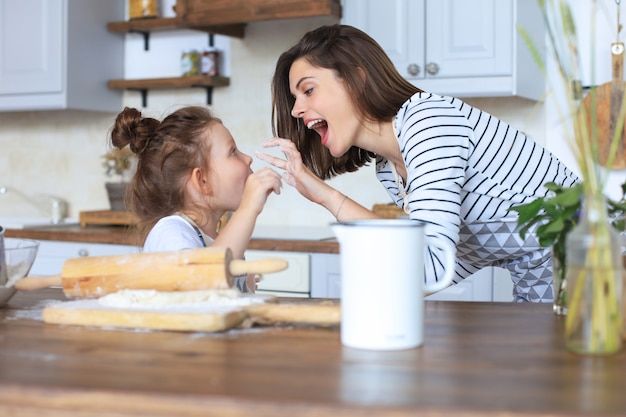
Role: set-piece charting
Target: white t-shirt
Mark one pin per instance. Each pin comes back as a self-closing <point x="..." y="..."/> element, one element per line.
<point x="173" y="233"/>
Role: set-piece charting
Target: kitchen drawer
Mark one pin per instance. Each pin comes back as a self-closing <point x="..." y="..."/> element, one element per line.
<point x="52" y="254"/>
<point x="488" y="284"/>
<point x="294" y="280"/>
<point x="325" y="275"/>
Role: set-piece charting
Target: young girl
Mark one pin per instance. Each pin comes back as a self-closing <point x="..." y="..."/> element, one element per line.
<point x="190" y="173"/>
<point x="340" y="103"/>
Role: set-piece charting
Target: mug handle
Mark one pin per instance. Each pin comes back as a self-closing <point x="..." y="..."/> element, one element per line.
<point x="449" y="264"/>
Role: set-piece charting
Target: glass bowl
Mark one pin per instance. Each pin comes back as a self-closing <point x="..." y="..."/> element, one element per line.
<point x="19" y="256"/>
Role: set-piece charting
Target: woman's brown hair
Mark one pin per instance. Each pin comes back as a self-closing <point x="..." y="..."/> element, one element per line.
<point x="167" y="152"/>
<point x="350" y="53"/>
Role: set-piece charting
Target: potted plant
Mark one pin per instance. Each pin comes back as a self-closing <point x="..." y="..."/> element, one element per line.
<point x="118" y="163"/>
<point x="556" y="215"/>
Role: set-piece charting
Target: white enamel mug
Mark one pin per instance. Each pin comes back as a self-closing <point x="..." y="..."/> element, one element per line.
<point x="382" y="281"/>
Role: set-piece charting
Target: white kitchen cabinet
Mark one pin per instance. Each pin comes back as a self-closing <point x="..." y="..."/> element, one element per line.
<point x="292" y="282"/>
<point x="488" y="284"/>
<point x="461" y="48"/>
<point x="52" y="255"/>
<point x="476" y="287"/>
<point x="58" y="54"/>
<point x="325" y="275"/>
<point x="502" y="289"/>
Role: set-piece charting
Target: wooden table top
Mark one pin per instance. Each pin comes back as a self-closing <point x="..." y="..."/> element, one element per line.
<point x="479" y="359"/>
<point x="120" y="235"/>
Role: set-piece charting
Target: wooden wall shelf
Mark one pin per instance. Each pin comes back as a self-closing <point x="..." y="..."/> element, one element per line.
<point x="202" y="12"/>
<point x="172" y="23"/>
<point x="143" y="85"/>
<point x="215" y="17"/>
<point x="229" y="18"/>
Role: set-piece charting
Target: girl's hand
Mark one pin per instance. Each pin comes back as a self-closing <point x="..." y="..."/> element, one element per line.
<point x="252" y="282"/>
<point x="237" y="232"/>
<point x="259" y="186"/>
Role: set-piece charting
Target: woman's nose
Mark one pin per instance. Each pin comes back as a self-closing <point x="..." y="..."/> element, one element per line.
<point x="296" y="111"/>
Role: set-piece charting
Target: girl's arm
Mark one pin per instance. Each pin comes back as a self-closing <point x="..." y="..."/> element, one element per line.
<point x="238" y="231"/>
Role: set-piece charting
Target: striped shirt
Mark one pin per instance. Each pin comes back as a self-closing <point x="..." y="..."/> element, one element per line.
<point x="464" y="166"/>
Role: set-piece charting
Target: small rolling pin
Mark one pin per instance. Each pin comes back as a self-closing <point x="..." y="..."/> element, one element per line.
<point x="184" y="270"/>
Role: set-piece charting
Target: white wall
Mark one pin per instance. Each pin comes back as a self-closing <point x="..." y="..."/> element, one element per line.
<point x="59" y="152"/>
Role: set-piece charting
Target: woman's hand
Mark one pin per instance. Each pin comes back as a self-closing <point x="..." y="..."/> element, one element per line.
<point x="296" y="173"/>
<point x="311" y="186"/>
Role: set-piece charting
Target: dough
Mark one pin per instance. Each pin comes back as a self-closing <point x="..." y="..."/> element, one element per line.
<point x="152" y="299"/>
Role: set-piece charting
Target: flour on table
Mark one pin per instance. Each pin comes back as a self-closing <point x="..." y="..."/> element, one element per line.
<point x="152" y="299"/>
<point x="33" y="312"/>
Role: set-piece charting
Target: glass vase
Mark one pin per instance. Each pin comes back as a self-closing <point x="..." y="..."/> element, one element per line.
<point x="593" y="323"/>
<point x="559" y="283"/>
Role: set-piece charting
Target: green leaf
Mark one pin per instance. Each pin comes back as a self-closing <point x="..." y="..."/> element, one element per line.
<point x="571" y="212"/>
<point x="553" y="227"/>
<point x="547" y="241"/>
<point x="528" y="211"/>
<point x="568" y="197"/>
<point x="523" y="230"/>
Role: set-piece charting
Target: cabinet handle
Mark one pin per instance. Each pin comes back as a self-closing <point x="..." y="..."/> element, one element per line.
<point x="413" y="69"/>
<point x="83" y="253"/>
<point x="432" y="68"/>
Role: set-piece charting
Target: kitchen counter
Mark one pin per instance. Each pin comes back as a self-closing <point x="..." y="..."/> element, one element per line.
<point x="479" y="359"/>
<point x="312" y="240"/>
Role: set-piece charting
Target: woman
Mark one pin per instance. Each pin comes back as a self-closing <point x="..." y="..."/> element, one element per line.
<point x="340" y="103"/>
<point x="189" y="173"/>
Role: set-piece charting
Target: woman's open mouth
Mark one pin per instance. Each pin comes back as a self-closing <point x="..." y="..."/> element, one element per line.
<point x="321" y="127"/>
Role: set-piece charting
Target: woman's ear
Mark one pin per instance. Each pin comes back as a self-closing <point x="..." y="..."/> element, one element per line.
<point x="362" y="74"/>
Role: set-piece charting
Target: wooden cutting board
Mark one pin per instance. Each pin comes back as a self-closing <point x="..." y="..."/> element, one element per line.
<point x="208" y="318"/>
<point x="91" y="313"/>
<point x="106" y="218"/>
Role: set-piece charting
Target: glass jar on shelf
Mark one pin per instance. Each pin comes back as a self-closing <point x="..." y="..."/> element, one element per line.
<point x="209" y="62"/>
<point x="189" y="63"/>
<point x="140" y="9"/>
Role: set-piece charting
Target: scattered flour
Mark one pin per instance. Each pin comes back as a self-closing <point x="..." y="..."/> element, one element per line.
<point x="152" y="299"/>
<point x="32" y="313"/>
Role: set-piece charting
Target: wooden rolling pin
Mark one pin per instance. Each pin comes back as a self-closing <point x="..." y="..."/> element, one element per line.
<point x="185" y="270"/>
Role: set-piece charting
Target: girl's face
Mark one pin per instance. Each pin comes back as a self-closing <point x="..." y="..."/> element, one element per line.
<point x="228" y="169"/>
<point x="324" y="105"/>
